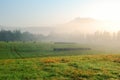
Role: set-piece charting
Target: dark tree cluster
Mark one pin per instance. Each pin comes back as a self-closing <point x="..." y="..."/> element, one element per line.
<point x="7" y="35"/>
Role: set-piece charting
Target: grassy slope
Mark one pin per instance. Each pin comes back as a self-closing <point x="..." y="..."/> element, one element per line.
<point x="84" y="67"/>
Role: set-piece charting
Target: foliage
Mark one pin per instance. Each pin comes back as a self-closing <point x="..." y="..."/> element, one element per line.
<point x="16" y="36"/>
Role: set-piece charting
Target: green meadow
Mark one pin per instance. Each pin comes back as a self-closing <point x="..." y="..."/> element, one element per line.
<point x="10" y="50"/>
<point x="39" y="61"/>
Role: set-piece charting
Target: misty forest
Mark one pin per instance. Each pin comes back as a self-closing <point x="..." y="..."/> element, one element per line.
<point x="17" y="35"/>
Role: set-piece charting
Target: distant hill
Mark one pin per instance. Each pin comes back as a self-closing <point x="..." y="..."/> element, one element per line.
<point x="81" y="25"/>
<point x="83" y="20"/>
<point x="75" y="26"/>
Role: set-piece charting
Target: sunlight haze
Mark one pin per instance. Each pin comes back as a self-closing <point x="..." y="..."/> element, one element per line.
<point x="39" y="13"/>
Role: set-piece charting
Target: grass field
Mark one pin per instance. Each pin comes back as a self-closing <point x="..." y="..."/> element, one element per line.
<point x="83" y="67"/>
<point x="12" y="50"/>
<point x="31" y="49"/>
<point x="38" y="61"/>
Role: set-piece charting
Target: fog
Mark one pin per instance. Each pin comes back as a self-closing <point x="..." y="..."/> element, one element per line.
<point x="77" y="26"/>
<point x="75" y="30"/>
<point x="79" y="30"/>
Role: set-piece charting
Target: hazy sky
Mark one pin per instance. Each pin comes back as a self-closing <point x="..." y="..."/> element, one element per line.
<point x="50" y="12"/>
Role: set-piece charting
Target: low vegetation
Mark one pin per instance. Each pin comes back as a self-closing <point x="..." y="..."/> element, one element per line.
<point x="39" y="61"/>
<point x="84" y="67"/>
<point x="10" y="50"/>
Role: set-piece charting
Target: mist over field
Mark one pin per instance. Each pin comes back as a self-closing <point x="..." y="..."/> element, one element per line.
<point x="87" y="31"/>
<point x="79" y="30"/>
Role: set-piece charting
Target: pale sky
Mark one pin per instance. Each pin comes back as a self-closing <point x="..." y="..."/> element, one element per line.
<point x="51" y="12"/>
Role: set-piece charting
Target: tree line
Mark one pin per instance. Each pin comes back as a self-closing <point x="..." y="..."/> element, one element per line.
<point x="17" y="35"/>
<point x="96" y="37"/>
